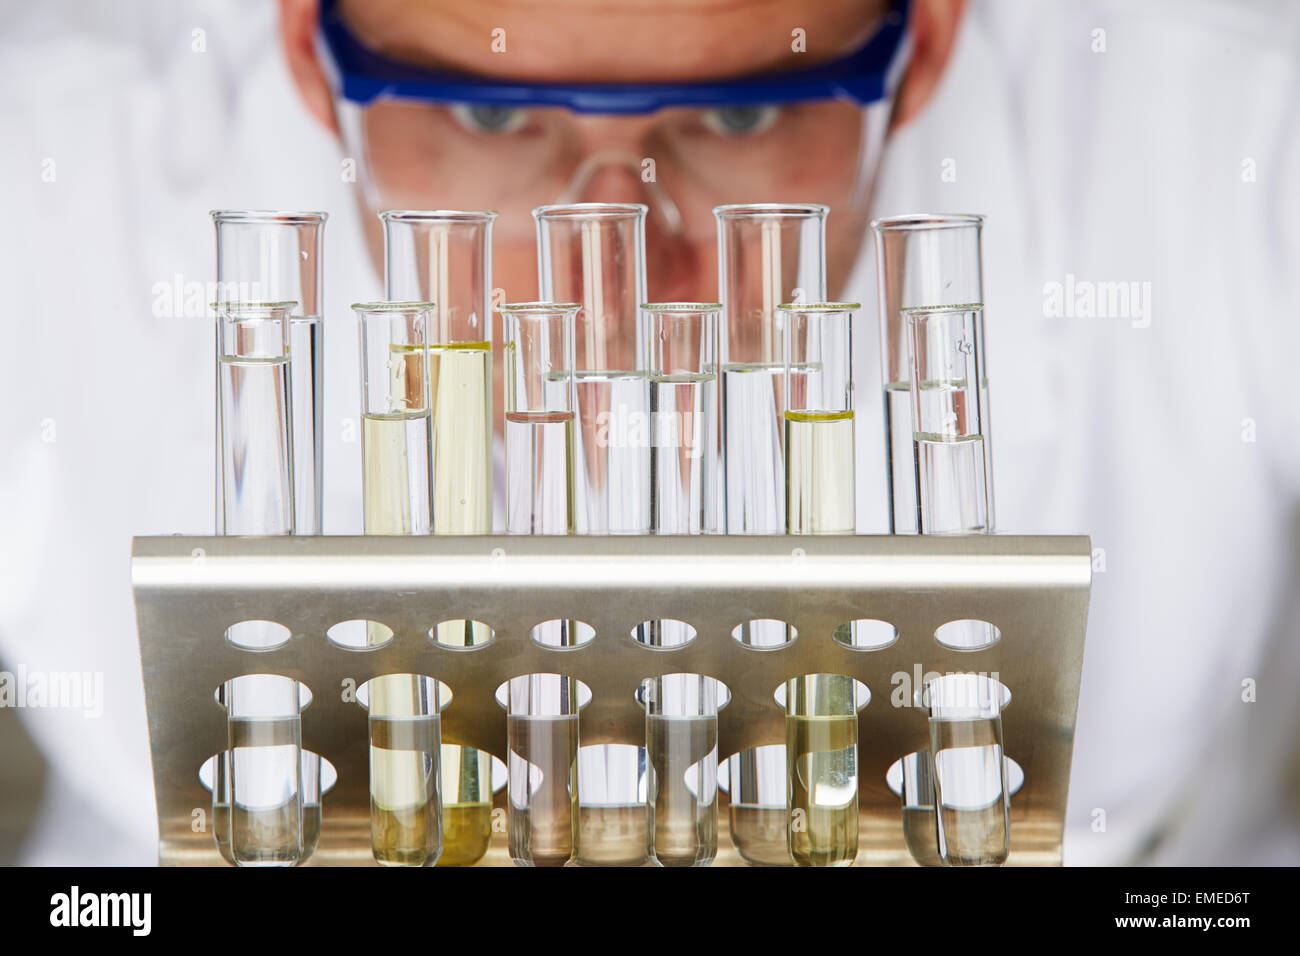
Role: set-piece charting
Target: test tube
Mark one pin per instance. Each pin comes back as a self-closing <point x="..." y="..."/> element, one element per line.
<point x="948" y="425"/>
<point x="922" y="262"/>
<point x="684" y="446"/>
<point x="256" y="438"/>
<point x="539" y="401"/>
<point x="445" y="257"/>
<point x="969" y="774"/>
<point x="758" y="815"/>
<point x="821" y="745"/>
<point x="271" y="255"/>
<point x="613" y="827"/>
<point x="542" y="736"/>
<point x="919" y="827"/>
<point x="682" y="744"/>
<point x="405" y="741"/>
<point x="767" y="254"/>
<point x="405" y="824"/>
<point x="594" y="254"/>
<point x="265" y="787"/>
<point x="820" y="488"/>
<point x="466" y="794"/>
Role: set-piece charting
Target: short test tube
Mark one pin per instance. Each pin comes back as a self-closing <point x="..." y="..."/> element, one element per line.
<point x="820" y="488"/>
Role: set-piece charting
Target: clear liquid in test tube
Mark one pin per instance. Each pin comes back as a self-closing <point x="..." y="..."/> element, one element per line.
<point x="539" y="397"/>
<point x="267" y="255"/>
<point x="971" y="797"/>
<point x="594" y="254"/>
<point x="444" y="256"/>
<point x="682" y="744"/>
<point x="405" y="745"/>
<point x="922" y="262"/>
<point x="542" y="736"/>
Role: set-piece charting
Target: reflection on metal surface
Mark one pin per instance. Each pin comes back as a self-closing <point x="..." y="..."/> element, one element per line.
<point x="1035" y="589"/>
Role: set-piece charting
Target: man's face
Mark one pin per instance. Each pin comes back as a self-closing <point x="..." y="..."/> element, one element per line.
<point x="681" y="162"/>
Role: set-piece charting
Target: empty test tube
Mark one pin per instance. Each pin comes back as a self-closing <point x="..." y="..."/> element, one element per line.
<point x="542" y="736"/>
<point x="969" y="774"/>
<point x="682" y="744"/>
<point x="821" y="745"/>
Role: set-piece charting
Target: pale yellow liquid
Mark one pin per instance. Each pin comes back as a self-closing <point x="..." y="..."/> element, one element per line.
<point x="819" y="482"/>
<point x="821" y="754"/>
<point x="460" y="377"/>
<point x="395" y="478"/>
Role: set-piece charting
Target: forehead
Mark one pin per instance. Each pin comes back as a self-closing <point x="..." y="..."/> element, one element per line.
<point x="613" y="41"/>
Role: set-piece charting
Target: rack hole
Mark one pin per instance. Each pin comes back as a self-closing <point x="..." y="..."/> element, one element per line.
<point x="543" y="685"/>
<point x="965" y="691"/>
<point x="686" y="685"/>
<point x="410" y="687"/>
<point x="561" y="634"/>
<point x="901" y="771"/>
<point x="867" y="634"/>
<point x="765" y="634"/>
<point x="328" y="775"/>
<point x="861" y="694"/>
<point x="358" y="635"/>
<point x="258" y="635"/>
<point x="466" y="635"/>
<point x="263" y="695"/>
<point x="665" y="634"/>
<point x="968" y="634"/>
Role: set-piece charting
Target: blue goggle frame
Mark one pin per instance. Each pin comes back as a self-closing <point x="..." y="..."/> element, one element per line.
<point x="865" y="77"/>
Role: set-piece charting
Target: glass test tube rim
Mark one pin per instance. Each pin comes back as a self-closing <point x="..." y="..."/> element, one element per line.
<point x="603" y="210"/>
<point x="238" y="305"/>
<point x="683" y="308"/>
<point x="924" y="310"/>
<point x="771" y="210"/>
<point x="918" y="221"/>
<point x="438" y="215"/>
<point x="823" y="307"/>
<point x="269" y="216"/>
<point x="538" y="307"/>
<point x="385" y="306"/>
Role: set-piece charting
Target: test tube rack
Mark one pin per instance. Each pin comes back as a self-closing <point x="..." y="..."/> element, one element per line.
<point x="188" y="590"/>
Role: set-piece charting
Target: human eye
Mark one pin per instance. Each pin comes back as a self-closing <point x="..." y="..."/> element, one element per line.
<point x="488" y="118"/>
<point x="740" y="120"/>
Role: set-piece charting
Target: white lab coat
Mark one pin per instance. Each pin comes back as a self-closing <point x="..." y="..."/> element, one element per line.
<point x="1128" y="164"/>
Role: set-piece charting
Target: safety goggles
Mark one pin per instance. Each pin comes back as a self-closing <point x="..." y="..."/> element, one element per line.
<point x="425" y="138"/>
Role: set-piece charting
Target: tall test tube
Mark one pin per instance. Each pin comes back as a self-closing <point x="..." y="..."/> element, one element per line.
<point x="445" y="257"/>
<point x="542" y="736"/>
<point x="971" y="798"/>
<point x="821" y="746"/>
<point x="255" y="450"/>
<point x="767" y="254"/>
<point x="594" y="254"/>
<point x="539" y="398"/>
<point x="820" y="489"/>
<point x="922" y="262"/>
<point x="405" y="812"/>
<point x="682" y="743"/>
<point x="264" y="256"/>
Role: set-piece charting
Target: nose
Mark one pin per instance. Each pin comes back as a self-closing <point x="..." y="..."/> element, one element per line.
<point x="620" y="176"/>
